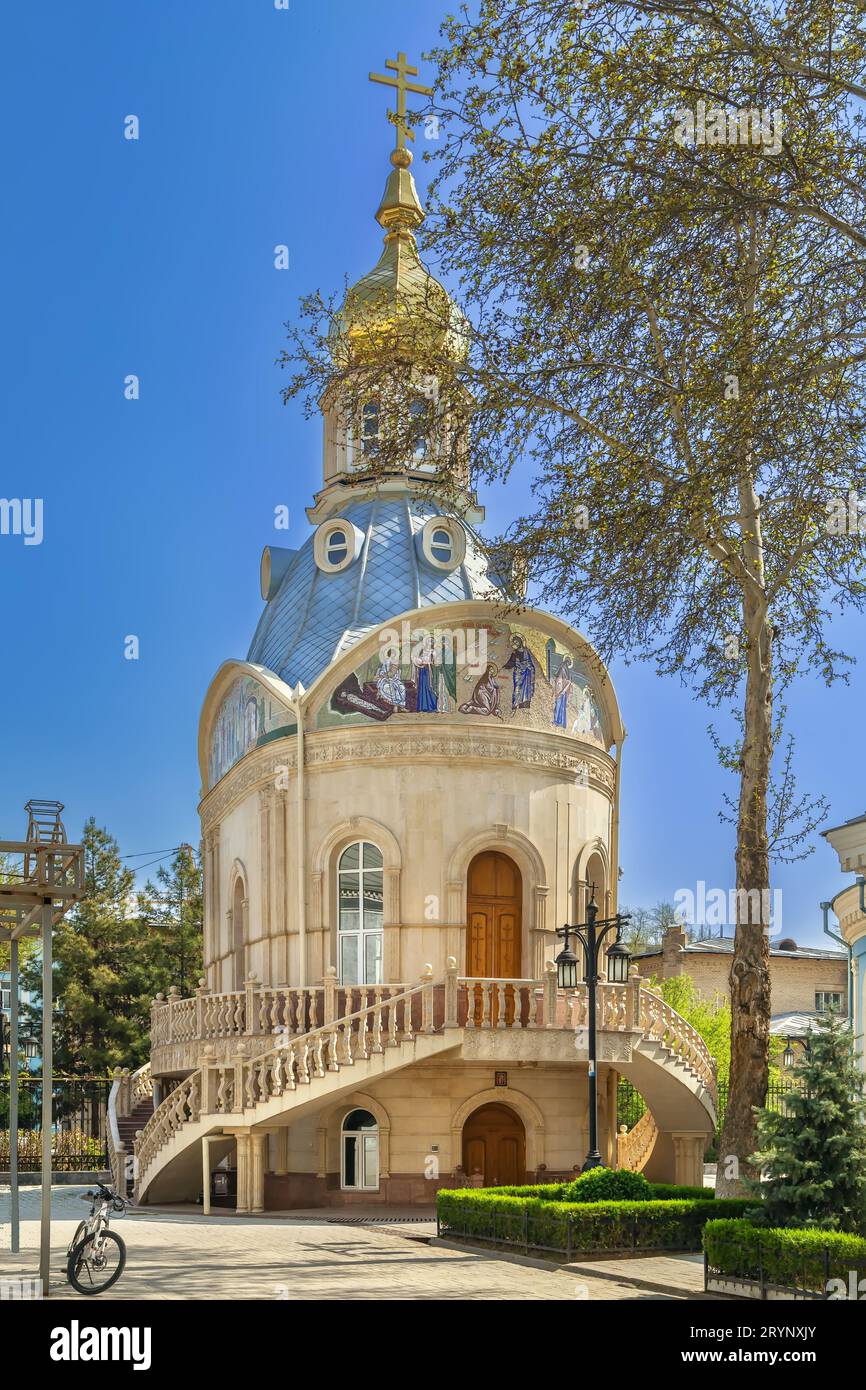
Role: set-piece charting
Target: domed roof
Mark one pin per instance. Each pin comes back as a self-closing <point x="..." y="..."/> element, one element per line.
<point x="315" y="616"/>
<point x="399" y="302"/>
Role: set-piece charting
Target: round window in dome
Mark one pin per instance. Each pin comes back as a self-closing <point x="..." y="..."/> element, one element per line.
<point x="443" y="542"/>
<point x="336" y="545"/>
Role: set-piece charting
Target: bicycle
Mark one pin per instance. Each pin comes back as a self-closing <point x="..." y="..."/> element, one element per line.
<point x="96" y="1256"/>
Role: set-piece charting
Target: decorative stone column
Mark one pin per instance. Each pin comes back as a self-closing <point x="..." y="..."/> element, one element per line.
<point x="258" y="1147"/>
<point x="242" y="1142"/>
<point x="281" y="1151"/>
<point x="689" y="1158"/>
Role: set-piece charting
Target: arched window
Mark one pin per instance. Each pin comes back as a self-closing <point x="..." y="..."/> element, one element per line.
<point x="360" y="893"/>
<point x="441" y="545"/>
<point x="419" y="411"/>
<point x="359" y="1144"/>
<point x="370" y="428"/>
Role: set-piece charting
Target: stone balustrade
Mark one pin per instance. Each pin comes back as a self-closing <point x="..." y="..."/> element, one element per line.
<point x="362" y="1021"/>
<point x="257" y="1010"/>
<point x="634" y="1146"/>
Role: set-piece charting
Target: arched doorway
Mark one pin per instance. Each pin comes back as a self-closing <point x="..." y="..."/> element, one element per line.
<point x="494" y="1145"/>
<point x="494" y="901"/>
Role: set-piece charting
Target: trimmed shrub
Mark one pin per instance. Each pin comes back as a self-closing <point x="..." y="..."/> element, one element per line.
<point x="608" y="1185"/>
<point x="796" y="1258"/>
<point x="671" y="1192"/>
<point x="581" y="1227"/>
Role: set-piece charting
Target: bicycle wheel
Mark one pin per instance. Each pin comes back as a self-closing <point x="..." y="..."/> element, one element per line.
<point x="96" y="1263"/>
<point x="79" y="1234"/>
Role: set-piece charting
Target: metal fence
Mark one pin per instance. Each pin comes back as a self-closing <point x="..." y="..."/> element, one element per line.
<point x="80" y="1109"/>
<point x="568" y="1236"/>
<point x="630" y="1104"/>
<point x="821" y="1275"/>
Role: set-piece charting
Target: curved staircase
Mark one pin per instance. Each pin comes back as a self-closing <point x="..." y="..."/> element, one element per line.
<point x="664" y="1057"/>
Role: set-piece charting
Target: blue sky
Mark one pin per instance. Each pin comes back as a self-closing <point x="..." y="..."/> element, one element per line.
<point x="155" y="257"/>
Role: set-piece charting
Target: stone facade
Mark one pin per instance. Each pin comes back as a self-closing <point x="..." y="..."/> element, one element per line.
<point x="796" y="976"/>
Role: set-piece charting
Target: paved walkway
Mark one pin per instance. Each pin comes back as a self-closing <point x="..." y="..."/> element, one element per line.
<point x="181" y="1255"/>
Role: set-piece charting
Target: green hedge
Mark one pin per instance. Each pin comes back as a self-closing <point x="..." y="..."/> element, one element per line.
<point x="580" y="1227"/>
<point x="796" y="1258"/>
<point x="556" y="1192"/>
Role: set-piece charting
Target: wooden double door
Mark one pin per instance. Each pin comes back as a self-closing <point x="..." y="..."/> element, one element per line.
<point x="494" y="904"/>
<point x="494" y="1147"/>
<point x="493" y="937"/>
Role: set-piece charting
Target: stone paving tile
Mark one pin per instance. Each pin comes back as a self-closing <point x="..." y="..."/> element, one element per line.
<point x="187" y="1256"/>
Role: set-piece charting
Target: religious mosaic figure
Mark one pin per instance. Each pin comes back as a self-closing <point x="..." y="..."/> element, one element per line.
<point x="389" y="686"/>
<point x="561" y="691"/>
<point x="586" y="722"/>
<point x="522" y="666"/>
<point x="426" y="702"/>
<point x="485" y="697"/>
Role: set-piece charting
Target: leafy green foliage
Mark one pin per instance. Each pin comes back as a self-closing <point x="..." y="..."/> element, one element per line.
<point x="582" y="1226"/>
<point x="608" y="1185"/>
<point x="813" y="1155"/>
<point x="803" y="1259"/>
<point x="110" y="959"/>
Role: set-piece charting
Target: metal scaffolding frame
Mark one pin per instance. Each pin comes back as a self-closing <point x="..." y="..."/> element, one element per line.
<point x="42" y="878"/>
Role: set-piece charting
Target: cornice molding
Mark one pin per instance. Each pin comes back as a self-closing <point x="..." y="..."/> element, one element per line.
<point x="454" y="743"/>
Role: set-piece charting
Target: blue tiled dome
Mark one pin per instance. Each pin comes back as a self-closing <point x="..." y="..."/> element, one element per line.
<point x="314" y="616"/>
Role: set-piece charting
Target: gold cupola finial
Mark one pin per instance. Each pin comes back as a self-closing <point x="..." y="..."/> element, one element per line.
<point x="400" y="210"/>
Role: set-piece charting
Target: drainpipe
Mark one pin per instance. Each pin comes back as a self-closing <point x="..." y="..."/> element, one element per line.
<point x="825" y="908"/>
<point x="614" y="832"/>
<point x="301" y="844"/>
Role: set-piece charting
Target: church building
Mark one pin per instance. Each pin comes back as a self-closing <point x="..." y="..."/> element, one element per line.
<point x="408" y="784"/>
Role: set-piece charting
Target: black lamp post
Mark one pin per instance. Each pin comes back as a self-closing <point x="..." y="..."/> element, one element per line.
<point x="591" y="936"/>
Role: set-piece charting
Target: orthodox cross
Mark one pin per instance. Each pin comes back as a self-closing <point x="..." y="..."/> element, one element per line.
<point x="398" y="117"/>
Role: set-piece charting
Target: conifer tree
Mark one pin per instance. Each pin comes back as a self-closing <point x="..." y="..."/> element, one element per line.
<point x="813" y="1156"/>
<point x="172" y="913"/>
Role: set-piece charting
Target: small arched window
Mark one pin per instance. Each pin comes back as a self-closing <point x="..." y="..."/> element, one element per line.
<point x="419" y="411"/>
<point x="360" y="895"/>
<point x="337" y="547"/>
<point x="442" y="545"/>
<point x="370" y="428"/>
<point x="359" y="1144"/>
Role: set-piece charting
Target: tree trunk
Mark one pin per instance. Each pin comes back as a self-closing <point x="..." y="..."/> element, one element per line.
<point x="750" y="967"/>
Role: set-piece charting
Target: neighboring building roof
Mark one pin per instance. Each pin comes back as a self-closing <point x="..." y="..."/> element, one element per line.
<point x="855" y="820"/>
<point x="314" y="616"/>
<point x="724" y="946"/>
<point x="796" y="1025"/>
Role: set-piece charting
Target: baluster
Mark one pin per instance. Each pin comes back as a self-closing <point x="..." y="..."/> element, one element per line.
<point x="304" y="1065"/>
<point x="290" y="1067"/>
<point x="408" y="1031"/>
<point x="274" y="1019"/>
<point x="300" y="1011"/>
<point x="470" y="1003"/>
<point x="314" y="1010"/>
<point x="487" y="1004"/>
<point x="377" y="1022"/>
<point x="277" y="1074"/>
<point x="393" y="1039"/>
<point x="333" y="1060"/>
<point x="318" y="1054"/>
<point x="500" y="988"/>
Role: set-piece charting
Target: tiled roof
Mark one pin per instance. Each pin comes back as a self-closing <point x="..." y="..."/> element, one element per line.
<point x="796" y="1025"/>
<point x="724" y="945"/>
<point x="315" y="617"/>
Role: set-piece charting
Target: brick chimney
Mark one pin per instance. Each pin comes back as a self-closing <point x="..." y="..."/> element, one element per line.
<point x="673" y="948"/>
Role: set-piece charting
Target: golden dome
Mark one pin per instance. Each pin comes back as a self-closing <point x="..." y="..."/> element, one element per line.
<point x="399" y="306"/>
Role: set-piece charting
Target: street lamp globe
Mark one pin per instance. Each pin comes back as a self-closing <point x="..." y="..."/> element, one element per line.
<point x="566" y="967"/>
<point x="618" y="958"/>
